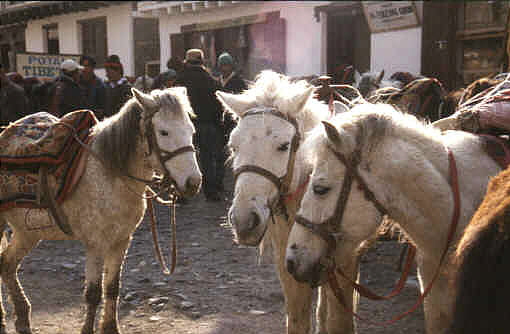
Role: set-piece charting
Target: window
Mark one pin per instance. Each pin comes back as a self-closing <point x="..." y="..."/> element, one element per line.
<point x="51" y="37"/>
<point x="93" y="36"/>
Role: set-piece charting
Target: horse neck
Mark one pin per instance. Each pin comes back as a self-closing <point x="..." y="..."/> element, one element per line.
<point x="136" y="165"/>
<point x="413" y="186"/>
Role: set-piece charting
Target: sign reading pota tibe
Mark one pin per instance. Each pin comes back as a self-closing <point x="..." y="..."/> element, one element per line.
<point x="41" y="65"/>
<point x="390" y="15"/>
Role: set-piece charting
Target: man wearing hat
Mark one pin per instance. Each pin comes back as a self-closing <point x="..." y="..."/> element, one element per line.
<point x="118" y="88"/>
<point x="66" y="94"/>
<point x="201" y="88"/>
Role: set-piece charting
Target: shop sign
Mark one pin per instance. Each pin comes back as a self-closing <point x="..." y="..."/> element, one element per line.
<point x="41" y="65"/>
<point x="390" y="15"/>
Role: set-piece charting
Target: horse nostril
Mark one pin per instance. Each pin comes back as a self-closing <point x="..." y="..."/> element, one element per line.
<point x="291" y="266"/>
<point x="254" y="220"/>
<point x="293" y="246"/>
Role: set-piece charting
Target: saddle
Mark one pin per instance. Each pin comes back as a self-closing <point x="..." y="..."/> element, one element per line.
<point x="41" y="161"/>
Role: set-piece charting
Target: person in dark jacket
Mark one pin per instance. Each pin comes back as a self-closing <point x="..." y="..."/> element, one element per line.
<point x="230" y="82"/>
<point x="201" y="88"/>
<point x="94" y="89"/>
<point x="118" y="88"/>
<point x="14" y="103"/>
<point x="65" y="94"/>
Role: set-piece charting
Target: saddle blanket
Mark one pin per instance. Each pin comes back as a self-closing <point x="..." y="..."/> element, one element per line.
<point x="37" y="140"/>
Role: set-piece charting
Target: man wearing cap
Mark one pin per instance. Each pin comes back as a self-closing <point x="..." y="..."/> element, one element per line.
<point x="93" y="87"/>
<point x="231" y="82"/>
<point x="66" y="95"/>
<point x="14" y="103"/>
<point x="118" y="88"/>
<point x="201" y="89"/>
<point x="165" y="80"/>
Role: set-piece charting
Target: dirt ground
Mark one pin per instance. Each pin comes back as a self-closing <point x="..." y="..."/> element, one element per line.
<point x="217" y="287"/>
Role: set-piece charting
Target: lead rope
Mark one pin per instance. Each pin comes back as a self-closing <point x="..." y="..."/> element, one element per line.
<point x="453" y="227"/>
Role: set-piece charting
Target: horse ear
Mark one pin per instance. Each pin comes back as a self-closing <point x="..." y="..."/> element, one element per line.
<point x="297" y="103"/>
<point x="144" y="99"/>
<point x="340" y="107"/>
<point x="234" y="103"/>
<point x="357" y="78"/>
<point x="332" y="133"/>
<point x="380" y="76"/>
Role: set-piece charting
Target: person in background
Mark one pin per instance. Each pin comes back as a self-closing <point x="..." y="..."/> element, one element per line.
<point x="65" y="93"/>
<point x="174" y="66"/>
<point x="14" y="103"/>
<point x="166" y="80"/>
<point x="118" y="88"/>
<point x="93" y="87"/>
<point x="231" y="82"/>
<point x="201" y="88"/>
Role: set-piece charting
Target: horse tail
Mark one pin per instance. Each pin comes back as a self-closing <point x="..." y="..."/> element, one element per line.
<point x="482" y="277"/>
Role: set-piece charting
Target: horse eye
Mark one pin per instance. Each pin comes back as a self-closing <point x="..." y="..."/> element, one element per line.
<point x="163" y="132"/>
<point x="320" y="190"/>
<point x="283" y="147"/>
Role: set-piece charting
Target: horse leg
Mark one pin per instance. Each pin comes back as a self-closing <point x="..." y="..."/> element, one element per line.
<point x="17" y="249"/>
<point x="3" y="224"/>
<point x="321" y="314"/>
<point x="93" y="289"/>
<point x="439" y="302"/>
<point x="340" y="321"/>
<point x="298" y="296"/>
<point x="112" y="267"/>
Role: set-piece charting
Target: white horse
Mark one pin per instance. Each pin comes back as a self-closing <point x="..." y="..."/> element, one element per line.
<point x="149" y="133"/>
<point x="274" y="116"/>
<point x="398" y="166"/>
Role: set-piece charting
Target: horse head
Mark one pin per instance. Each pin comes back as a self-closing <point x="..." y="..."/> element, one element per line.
<point x="272" y="116"/>
<point x="336" y="214"/>
<point x="168" y="130"/>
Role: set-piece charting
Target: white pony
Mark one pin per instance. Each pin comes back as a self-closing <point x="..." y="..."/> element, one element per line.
<point x="405" y="165"/>
<point x="151" y="132"/>
<point x="274" y="116"/>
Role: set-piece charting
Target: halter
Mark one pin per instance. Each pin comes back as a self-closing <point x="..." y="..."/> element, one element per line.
<point x="162" y="155"/>
<point x="281" y="183"/>
<point x="328" y="228"/>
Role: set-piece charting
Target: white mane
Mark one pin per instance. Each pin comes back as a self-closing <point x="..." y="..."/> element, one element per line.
<point x="272" y="89"/>
<point x="377" y="122"/>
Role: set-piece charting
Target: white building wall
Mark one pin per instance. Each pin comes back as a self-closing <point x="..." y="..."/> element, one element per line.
<point x="395" y="51"/>
<point x="119" y="27"/>
<point x="303" y="49"/>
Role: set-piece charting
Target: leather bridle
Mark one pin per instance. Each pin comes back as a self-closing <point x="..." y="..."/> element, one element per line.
<point x="163" y="156"/>
<point x="328" y="228"/>
<point x="282" y="183"/>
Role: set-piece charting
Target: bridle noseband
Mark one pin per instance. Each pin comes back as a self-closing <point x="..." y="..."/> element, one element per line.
<point x="163" y="156"/>
<point x="328" y="228"/>
<point x="282" y="183"/>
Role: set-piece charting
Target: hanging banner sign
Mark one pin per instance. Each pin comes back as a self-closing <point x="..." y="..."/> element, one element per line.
<point x="390" y="15"/>
<point x="41" y="65"/>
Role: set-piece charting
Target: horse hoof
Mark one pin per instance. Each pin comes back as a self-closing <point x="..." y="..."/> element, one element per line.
<point x="110" y="328"/>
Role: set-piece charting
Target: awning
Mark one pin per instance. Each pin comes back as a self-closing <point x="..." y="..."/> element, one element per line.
<point x="33" y="10"/>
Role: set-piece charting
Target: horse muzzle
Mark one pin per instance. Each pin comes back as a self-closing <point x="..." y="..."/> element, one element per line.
<point x="249" y="230"/>
<point x="314" y="274"/>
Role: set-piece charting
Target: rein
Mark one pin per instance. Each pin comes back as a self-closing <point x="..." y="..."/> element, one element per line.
<point x="327" y="228"/>
<point x="282" y="183"/>
<point x="164" y="183"/>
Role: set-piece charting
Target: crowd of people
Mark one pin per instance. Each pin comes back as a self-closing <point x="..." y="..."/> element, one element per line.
<point x="78" y="87"/>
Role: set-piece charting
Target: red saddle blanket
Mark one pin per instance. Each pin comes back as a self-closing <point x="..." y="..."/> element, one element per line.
<point x="42" y="139"/>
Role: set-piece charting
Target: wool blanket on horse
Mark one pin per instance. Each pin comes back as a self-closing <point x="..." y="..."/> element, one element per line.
<point x="42" y="142"/>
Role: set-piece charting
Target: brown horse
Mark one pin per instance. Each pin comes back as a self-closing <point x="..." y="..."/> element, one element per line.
<point x="482" y="266"/>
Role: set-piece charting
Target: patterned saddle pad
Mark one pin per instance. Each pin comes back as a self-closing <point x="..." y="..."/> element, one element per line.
<point x="42" y="139"/>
